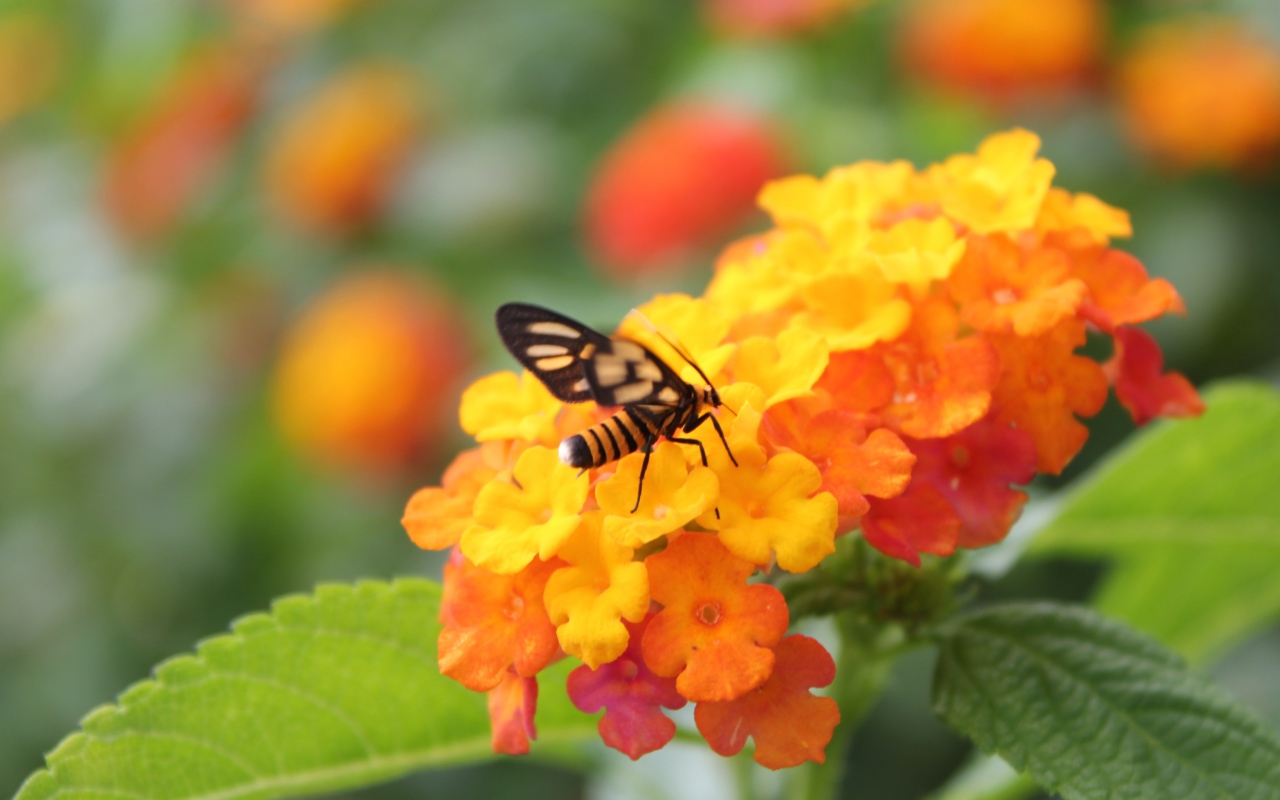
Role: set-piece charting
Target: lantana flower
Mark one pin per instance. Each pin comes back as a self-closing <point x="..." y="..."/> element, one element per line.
<point x="532" y="516"/>
<point x="895" y="359"/>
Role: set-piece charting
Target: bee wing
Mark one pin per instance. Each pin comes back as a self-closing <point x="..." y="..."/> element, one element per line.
<point x="553" y="347"/>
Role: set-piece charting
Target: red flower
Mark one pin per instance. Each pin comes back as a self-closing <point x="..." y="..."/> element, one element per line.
<point x="1142" y="387"/>
<point x="632" y="697"/>
<point x="973" y="470"/>
<point x="161" y="165"/>
<point x="918" y="521"/>
<point x="682" y="178"/>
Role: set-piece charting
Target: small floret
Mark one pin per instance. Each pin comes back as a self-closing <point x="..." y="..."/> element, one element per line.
<point x="512" y="706"/>
<point x="600" y="587"/>
<point x="673" y="495"/>
<point x="531" y="516"/>
<point x="789" y="724"/>
<point x="632" y="697"/>
<point x="715" y="630"/>
<point x="1142" y="385"/>
<point x="494" y="623"/>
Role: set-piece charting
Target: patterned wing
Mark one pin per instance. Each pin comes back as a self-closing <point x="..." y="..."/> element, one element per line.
<point x="551" y="346"/>
<point x="624" y="373"/>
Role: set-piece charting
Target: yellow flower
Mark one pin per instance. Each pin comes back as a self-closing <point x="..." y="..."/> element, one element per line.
<point x="533" y="516"/>
<point x="766" y="273"/>
<point x="853" y="310"/>
<point x="766" y="507"/>
<point x="503" y="406"/>
<point x="845" y="201"/>
<point x="1063" y="211"/>
<point x="588" y="600"/>
<point x="916" y="252"/>
<point x="694" y="323"/>
<point x="673" y="495"/>
<point x="785" y="367"/>
<point x="999" y="189"/>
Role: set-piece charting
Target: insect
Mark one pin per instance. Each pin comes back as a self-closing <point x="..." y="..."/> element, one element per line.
<point x="577" y="364"/>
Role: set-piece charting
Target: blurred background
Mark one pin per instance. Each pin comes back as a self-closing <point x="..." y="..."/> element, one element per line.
<point x="250" y="251"/>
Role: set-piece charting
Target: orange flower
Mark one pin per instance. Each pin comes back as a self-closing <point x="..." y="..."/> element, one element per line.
<point x="942" y="384"/>
<point x="156" y="171"/>
<point x="366" y="374"/>
<point x="1120" y="292"/>
<point x="332" y="163"/>
<point x="1043" y="385"/>
<point x="494" y="624"/>
<point x="715" y="630"/>
<point x="1142" y="386"/>
<point x="511" y="710"/>
<point x="436" y="517"/>
<point x="853" y="463"/>
<point x="857" y="381"/>
<point x="1203" y="93"/>
<point x="789" y="725"/>
<point x="682" y="178"/>
<point x="1004" y="49"/>
<point x="1001" y="287"/>
<point x="751" y="19"/>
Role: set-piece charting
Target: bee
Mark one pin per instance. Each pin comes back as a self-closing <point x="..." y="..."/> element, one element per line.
<point x="577" y="364"/>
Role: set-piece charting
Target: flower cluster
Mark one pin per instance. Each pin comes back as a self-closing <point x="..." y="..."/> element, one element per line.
<point x="898" y="352"/>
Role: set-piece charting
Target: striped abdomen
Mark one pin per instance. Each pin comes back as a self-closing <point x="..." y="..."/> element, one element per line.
<point x="617" y="436"/>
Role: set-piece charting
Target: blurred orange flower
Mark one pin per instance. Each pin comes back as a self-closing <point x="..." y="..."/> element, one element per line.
<point x="680" y="179"/>
<point x="1003" y="49"/>
<point x="367" y="373"/>
<point x="1203" y="93"/>
<point x="767" y="18"/>
<point x="31" y="56"/>
<point x="155" y="172"/>
<point x="335" y="158"/>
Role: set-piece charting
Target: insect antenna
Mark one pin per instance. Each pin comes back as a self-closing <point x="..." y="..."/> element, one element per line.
<point x="672" y="341"/>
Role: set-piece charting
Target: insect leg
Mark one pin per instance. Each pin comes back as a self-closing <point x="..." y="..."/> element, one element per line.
<point x="716" y="423"/>
<point x="647" y="448"/>
<point x="701" y="450"/>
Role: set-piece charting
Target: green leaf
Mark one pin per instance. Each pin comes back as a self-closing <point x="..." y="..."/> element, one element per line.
<point x="1190" y="513"/>
<point x="1092" y="709"/>
<point x="329" y="691"/>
